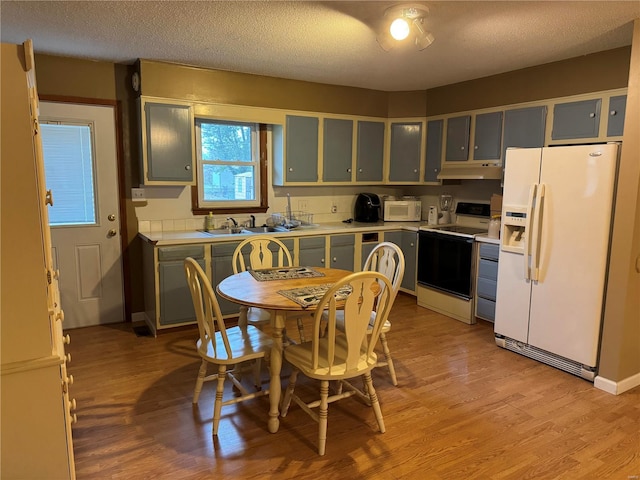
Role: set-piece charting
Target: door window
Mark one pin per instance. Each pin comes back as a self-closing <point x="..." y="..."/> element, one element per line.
<point x="69" y="172"/>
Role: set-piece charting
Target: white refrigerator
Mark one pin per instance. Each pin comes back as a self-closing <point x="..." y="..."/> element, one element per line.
<point x="554" y="249"/>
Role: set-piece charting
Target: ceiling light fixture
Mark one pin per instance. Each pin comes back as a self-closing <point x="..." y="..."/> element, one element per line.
<point x="400" y="22"/>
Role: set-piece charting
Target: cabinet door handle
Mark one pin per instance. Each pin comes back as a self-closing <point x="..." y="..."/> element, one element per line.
<point x="613" y="112"/>
<point x="291" y="169"/>
<point x="592" y="115"/>
<point x="360" y="170"/>
<point x="322" y="261"/>
<point x="335" y="259"/>
<point x="475" y="147"/>
<point x="348" y="170"/>
<point x="187" y="167"/>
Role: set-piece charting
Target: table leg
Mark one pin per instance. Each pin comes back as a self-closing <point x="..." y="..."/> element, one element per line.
<point x="275" y="387"/>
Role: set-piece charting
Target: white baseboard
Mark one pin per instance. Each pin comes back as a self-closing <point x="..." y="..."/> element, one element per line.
<point x="616" y="388"/>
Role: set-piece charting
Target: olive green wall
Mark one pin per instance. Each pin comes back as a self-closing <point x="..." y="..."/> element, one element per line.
<point x="620" y="347"/>
<point x="590" y="73"/>
<point x="197" y="84"/>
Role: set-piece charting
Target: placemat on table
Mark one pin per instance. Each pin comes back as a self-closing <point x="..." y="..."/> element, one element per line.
<point x="284" y="273"/>
<point x="311" y="295"/>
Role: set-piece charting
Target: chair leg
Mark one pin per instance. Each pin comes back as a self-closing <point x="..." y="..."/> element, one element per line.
<point x="387" y="355"/>
<point x="301" y="329"/>
<point x="217" y="405"/>
<point x="199" y="381"/>
<point x="374" y="401"/>
<point x="257" y="365"/>
<point x="286" y="400"/>
<point x="322" y="417"/>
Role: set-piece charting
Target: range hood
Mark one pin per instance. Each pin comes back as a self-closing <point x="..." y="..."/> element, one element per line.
<point x="475" y="172"/>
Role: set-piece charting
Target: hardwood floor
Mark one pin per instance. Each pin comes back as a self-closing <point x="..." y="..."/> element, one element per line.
<point x="463" y="409"/>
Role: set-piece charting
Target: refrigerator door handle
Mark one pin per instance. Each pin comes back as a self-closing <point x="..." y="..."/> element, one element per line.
<point x="537" y="232"/>
<point x="527" y="231"/>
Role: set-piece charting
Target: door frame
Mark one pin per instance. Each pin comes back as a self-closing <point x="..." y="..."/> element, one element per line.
<point x="122" y="210"/>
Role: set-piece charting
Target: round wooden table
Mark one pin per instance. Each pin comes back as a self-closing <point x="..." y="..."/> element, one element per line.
<point x="244" y="289"/>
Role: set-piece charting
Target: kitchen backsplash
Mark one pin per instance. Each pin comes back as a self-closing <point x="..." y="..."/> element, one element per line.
<point x="169" y="209"/>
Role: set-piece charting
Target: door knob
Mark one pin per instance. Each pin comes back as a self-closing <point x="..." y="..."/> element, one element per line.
<point x="112" y="233"/>
<point x="111" y="217"/>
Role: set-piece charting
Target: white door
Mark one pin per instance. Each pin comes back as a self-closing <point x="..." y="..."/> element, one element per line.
<point x="566" y="302"/>
<point x="79" y="146"/>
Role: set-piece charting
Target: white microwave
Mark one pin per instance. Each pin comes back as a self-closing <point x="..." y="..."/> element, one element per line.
<point x="402" y="211"/>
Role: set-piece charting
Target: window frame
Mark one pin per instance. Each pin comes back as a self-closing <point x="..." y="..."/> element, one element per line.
<point x="261" y="170"/>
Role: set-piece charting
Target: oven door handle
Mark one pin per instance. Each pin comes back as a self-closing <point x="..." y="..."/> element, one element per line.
<point x="527" y="231"/>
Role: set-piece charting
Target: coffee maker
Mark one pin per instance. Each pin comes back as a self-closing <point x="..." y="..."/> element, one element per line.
<point x="367" y="208"/>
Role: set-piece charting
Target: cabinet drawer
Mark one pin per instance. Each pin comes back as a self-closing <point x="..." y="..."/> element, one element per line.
<point x="487" y="288"/>
<point x="488" y="269"/>
<point x="486" y="309"/>
<point x="314" y="242"/>
<point x="224" y="249"/>
<point x="166" y="254"/>
<point x="489" y="250"/>
<point x="339" y="240"/>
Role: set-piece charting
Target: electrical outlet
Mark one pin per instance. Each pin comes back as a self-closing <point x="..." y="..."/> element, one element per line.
<point x="334" y="209"/>
<point x="137" y="195"/>
<point x="303" y="205"/>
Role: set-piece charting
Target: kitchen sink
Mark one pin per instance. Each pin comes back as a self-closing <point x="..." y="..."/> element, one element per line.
<point x="264" y="229"/>
<point x="245" y="230"/>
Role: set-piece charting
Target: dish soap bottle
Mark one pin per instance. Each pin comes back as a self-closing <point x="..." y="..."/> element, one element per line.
<point x="209" y="223"/>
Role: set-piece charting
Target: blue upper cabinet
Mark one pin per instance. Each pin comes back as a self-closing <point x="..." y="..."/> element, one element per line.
<point x="488" y="136"/>
<point x="168" y="150"/>
<point x="434" y="150"/>
<point x="457" y="149"/>
<point x="524" y="127"/>
<point x="370" y="151"/>
<point x="405" y="148"/>
<point x="617" y="108"/>
<point x="301" y="149"/>
<point x="337" y="143"/>
<point x="576" y="119"/>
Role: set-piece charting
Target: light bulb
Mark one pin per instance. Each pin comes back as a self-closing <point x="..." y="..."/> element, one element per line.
<point x="399" y="29"/>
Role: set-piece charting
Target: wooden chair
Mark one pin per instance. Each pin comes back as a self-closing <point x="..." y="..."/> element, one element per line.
<point x="342" y="354"/>
<point x="388" y="259"/>
<point x="221" y="346"/>
<point x="266" y="252"/>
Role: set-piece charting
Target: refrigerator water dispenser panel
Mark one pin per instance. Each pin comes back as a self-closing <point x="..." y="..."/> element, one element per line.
<point x="514" y="227"/>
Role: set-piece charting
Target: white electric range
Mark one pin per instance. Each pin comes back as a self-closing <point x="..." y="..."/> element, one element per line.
<point x="446" y="266"/>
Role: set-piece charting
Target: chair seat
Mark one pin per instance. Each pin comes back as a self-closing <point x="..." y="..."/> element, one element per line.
<point x="258" y="316"/>
<point x="248" y="345"/>
<point x="301" y="357"/>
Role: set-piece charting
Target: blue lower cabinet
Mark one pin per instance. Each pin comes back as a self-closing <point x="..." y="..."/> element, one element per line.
<point x="487" y="281"/>
<point x="176" y="305"/>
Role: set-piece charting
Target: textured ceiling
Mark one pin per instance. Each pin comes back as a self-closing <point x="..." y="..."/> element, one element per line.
<point x="327" y="42"/>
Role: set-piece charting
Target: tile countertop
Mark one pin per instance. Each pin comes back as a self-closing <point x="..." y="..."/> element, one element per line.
<point x="485" y="239"/>
<point x="190" y="237"/>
